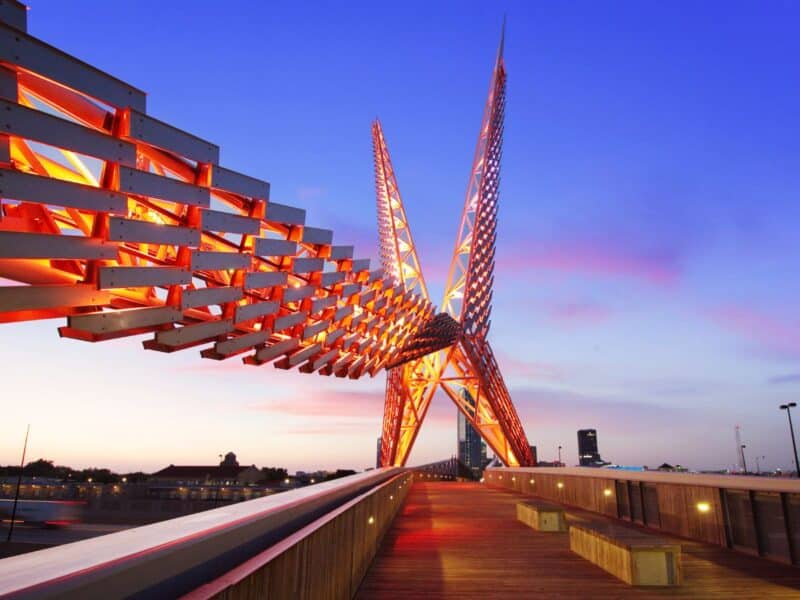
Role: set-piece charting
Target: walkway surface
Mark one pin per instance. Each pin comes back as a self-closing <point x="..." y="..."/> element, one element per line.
<point x="462" y="540"/>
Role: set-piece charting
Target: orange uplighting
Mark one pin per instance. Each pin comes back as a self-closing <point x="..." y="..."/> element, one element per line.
<point x="199" y="257"/>
<point x="703" y="507"/>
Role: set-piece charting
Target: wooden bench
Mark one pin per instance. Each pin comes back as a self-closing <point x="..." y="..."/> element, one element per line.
<point x="541" y="516"/>
<point x="636" y="557"/>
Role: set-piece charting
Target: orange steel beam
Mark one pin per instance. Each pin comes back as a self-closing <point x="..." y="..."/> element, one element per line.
<point x="467" y="371"/>
<point x="127" y="225"/>
<point x="410" y="386"/>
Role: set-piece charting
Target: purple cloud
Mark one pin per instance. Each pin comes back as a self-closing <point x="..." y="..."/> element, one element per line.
<point x="781" y="379"/>
<point x="596" y="258"/>
<point x="578" y="313"/>
<point x="769" y="333"/>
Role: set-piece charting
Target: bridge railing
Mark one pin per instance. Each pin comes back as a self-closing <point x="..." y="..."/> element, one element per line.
<point x="324" y="534"/>
<point x="757" y="515"/>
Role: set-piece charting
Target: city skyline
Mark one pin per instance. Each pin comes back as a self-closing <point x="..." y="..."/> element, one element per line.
<point x="654" y="287"/>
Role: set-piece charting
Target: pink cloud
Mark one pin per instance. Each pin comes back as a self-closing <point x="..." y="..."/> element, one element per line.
<point x="511" y="366"/>
<point x="770" y="333"/>
<point x="595" y="259"/>
<point x="326" y="403"/>
<point x="579" y="313"/>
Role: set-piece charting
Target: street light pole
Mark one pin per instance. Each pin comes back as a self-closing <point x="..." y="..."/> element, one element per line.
<point x="19" y="483"/>
<point x="559" y="456"/>
<point x="787" y="408"/>
<point x="744" y="462"/>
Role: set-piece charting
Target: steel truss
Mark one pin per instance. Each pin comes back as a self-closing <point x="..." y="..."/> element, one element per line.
<point x="126" y="225"/>
<point x="460" y="359"/>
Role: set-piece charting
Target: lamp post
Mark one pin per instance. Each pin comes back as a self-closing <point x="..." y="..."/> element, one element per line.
<point x="744" y="462"/>
<point x="787" y="408"/>
<point x="559" y="456"/>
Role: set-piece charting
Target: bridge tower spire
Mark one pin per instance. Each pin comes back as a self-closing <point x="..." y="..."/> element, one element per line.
<point x="409" y="387"/>
<point x="466" y="370"/>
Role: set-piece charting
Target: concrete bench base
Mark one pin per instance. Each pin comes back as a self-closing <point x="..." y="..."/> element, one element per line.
<point x="541" y="516"/>
<point x="634" y="557"/>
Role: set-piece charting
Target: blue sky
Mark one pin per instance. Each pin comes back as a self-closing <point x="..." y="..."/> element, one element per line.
<point x="647" y="278"/>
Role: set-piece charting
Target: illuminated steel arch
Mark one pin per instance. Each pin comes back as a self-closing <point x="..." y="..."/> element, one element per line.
<point x="465" y="367"/>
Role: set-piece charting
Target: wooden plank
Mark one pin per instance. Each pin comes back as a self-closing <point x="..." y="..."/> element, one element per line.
<point x="298" y="357"/>
<point x="18" y="48"/>
<point x="216" y="220"/>
<point x="124" y="319"/>
<point x="123" y="277"/>
<point x="270" y="247"/>
<point x="15" y="14"/>
<point x="142" y="183"/>
<point x="38" y="297"/>
<point x="209" y="296"/>
<point x="21" y="244"/>
<point x="473" y="531"/>
<point x="275" y="350"/>
<point x="144" y="232"/>
<point x="219" y="261"/>
<point x="350" y="289"/>
<point x="318" y="304"/>
<point x="241" y="343"/>
<point x="360" y="264"/>
<point x="332" y="278"/>
<point x="293" y="294"/>
<point x="144" y="128"/>
<point x="315" y="235"/>
<point x="231" y="181"/>
<point x="264" y="279"/>
<point x="45" y="190"/>
<point x="190" y="334"/>
<point x="314" y="329"/>
<point x="288" y="215"/>
<point x="286" y="321"/>
<point x="246" y="312"/>
<point x="32" y="124"/>
<point x="340" y="252"/>
<point x="307" y="265"/>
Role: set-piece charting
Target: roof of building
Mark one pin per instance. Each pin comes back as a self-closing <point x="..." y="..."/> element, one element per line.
<point x="201" y="472"/>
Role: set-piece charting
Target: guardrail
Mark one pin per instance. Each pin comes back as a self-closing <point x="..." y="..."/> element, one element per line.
<point x="757" y="515"/>
<point x="326" y="559"/>
<point x="175" y="557"/>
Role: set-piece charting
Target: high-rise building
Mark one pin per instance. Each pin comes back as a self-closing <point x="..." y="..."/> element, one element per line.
<point x="588" y="455"/>
<point x="471" y="448"/>
<point x="378" y="457"/>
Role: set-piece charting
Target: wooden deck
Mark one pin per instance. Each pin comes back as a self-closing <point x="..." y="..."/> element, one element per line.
<point x="462" y="540"/>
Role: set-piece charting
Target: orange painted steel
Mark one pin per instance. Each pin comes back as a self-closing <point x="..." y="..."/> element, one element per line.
<point x="126" y="225"/>
<point x="451" y="352"/>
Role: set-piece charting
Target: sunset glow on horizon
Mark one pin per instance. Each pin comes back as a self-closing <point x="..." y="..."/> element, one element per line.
<point x="646" y="279"/>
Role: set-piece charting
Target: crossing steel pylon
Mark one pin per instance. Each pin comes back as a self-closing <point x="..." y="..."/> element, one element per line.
<point x="452" y="351"/>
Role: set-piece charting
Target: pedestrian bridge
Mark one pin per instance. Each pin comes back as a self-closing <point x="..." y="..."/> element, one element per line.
<point x="395" y="532"/>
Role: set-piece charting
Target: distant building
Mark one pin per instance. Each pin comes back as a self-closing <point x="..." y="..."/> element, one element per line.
<point x="228" y="472"/>
<point x="534" y="455"/>
<point x="588" y="455"/>
<point x="471" y="448"/>
<point x="378" y="455"/>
